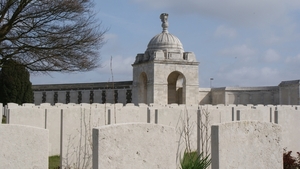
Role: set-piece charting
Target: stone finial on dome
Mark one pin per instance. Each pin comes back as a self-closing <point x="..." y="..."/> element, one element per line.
<point x="165" y="41"/>
<point x="164" y="19"/>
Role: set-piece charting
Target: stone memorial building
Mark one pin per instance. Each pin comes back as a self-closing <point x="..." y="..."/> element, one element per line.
<point x="165" y="74"/>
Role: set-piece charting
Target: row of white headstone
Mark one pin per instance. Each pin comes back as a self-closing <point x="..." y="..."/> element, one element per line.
<point x="242" y="144"/>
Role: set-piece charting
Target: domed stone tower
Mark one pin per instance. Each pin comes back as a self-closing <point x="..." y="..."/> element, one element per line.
<point x="165" y="74"/>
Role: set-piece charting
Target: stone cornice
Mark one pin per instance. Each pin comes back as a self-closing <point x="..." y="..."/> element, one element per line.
<point x="168" y="62"/>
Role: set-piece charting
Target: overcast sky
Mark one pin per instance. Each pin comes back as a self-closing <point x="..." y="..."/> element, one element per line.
<point x="238" y="43"/>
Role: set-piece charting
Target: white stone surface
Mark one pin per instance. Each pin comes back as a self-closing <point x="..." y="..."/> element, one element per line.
<point x="28" y="104"/>
<point x="77" y="124"/>
<point x="23" y="147"/>
<point x="1" y="112"/>
<point x="247" y="145"/>
<point x="288" y="117"/>
<point x="129" y="114"/>
<point x="11" y="105"/>
<point x="53" y="125"/>
<point x="45" y="105"/>
<point x="134" y="145"/>
<point x="76" y="139"/>
<point x="27" y="116"/>
<point x="262" y="114"/>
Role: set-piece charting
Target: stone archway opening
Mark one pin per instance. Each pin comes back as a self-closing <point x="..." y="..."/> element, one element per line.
<point x="143" y="88"/>
<point x="176" y="88"/>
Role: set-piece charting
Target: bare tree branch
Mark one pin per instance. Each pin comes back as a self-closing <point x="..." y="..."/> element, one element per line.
<point x="50" y="35"/>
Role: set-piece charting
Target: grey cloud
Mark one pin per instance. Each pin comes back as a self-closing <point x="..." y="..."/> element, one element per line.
<point x="246" y="12"/>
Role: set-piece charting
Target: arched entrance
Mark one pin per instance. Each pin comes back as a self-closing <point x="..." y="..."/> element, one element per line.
<point x="176" y="88"/>
<point x="143" y="88"/>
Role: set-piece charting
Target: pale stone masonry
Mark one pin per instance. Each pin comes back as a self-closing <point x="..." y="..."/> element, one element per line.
<point x="23" y="147"/>
<point x="166" y="74"/>
<point x="247" y="145"/>
<point x="70" y="125"/>
<point x="134" y="145"/>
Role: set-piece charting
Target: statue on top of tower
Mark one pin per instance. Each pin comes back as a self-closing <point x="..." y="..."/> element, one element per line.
<point x="164" y="19"/>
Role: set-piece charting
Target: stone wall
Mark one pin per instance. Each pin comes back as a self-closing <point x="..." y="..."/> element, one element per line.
<point x="145" y="89"/>
<point x="109" y="92"/>
<point x="245" y="95"/>
<point x="83" y="96"/>
<point x="160" y="77"/>
<point x="289" y="92"/>
<point x="205" y="96"/>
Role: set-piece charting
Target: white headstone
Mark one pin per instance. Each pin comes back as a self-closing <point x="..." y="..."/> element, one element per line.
<point x="247" y="145"/>
<point x="23" y="147"/>
<point x="134" y="145"/>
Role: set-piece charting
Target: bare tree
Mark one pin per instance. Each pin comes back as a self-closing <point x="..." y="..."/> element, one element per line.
<point x="204" y="125"/>
<point x="50" y="35"/>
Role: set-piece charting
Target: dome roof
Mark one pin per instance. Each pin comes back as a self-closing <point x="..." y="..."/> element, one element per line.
<point x="165" y="41"/>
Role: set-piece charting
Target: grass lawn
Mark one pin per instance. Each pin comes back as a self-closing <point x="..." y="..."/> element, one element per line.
<point x="54" y="162"/>
<point x="3" y="119"/>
